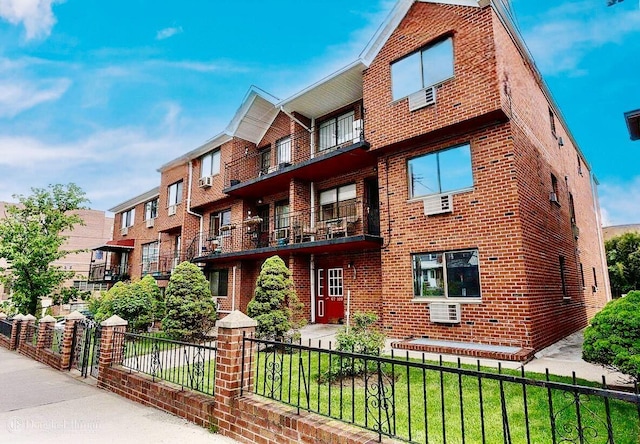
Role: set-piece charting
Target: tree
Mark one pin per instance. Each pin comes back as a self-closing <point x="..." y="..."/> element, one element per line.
<point x="190" y="310"/>
<point x="275" y="305"/>
<point x="613" y="337"/>
<point x="623" y="260"/>
<point x="31" y="239"/>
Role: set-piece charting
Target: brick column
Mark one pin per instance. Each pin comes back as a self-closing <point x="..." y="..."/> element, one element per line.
<point x="229" y="369"/>
<point x="67" y="338"/>
<point x="45" y="332"/>
<point x="110" y="342"/>
<point x="13" y="343"/>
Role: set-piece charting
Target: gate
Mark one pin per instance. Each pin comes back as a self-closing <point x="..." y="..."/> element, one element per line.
<point x="85" y="350"/>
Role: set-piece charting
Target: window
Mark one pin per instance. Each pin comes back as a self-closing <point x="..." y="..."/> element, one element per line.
<point x="149" y="257"/>
<point x="151" y="209"/>
<point x="422" y="69"/>
<point x="335" y="282"/>
<point x="579" y="164"/>
<point x="441" y="172"/>
<point x="336" y="131"/>
<point x="282" y="220"/>
<point x="175" y="193"/>
<point x="572" y="210"/>
<point x="552" y="122"/>
<point x="265" y="161"/>
<point x="219" y="282"/>
<point x="554" y="190"/>
<point x="210" y="164"/>
<point x="128" y="218"/>
<point x="595" y="278"/>
<point x="283" y="147"/>
<point x="338" y="202"/>
<point x="563" y="277"/>
<point x="449" y="274"/>
<point x="582" y="276"/>
<point x="217" y="220"/>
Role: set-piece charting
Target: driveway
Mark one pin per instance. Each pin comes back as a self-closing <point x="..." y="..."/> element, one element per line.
<point x="39" y="404"/>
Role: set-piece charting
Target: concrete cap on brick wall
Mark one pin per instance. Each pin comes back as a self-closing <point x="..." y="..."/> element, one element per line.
<point x="29" y="318"/>
<point x="114" y="321"/>
<point x="18" y="317"/>
<point x="236" y="319"/>
<point x="48" y="320"/>
<point x="3" y="316"/>
<point x="75" y="316"/>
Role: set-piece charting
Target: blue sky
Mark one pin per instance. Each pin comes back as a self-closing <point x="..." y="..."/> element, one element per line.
<point x="102" y="93"/>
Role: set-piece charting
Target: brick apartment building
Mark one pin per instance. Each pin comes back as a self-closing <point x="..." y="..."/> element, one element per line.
<point x="432" y="181"/>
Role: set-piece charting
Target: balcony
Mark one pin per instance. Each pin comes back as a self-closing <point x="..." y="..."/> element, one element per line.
<point x="160" y="267"/>
<point x="345" y="227"/>
<point x="347" y="151"/>
<point x="103" y="272"/>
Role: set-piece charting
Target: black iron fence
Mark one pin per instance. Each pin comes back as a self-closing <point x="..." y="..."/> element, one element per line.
<point x="6" y="327"/>
<point x="56" y="340"/>
<point x="103" y="272"/>
<point x="161" y="266"/>
<point x="32" y="334"/>
<point x="189" y="365"/>
<point x="85" y="348"/>
<point x="419" y="401"/>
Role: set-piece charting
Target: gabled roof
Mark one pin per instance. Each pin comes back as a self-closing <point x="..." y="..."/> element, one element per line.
<point x="141" y="198"/>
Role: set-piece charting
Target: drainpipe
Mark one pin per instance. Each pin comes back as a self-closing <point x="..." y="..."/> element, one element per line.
<point x="200" y="216"/>
<point x="312" y="279"/>
<point x="313" y="139"/>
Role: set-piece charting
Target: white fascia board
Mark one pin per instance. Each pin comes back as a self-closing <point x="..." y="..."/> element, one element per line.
<point x="246" y="105"/>
<point x="216" y="141"/>
<point x="134" y="201"/>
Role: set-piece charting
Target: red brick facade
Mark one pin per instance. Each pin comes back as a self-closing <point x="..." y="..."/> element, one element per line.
<point x="541" y="269"/>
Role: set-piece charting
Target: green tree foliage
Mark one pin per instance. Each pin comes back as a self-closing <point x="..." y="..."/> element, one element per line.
<point x="190" y="310"/>
<point x="623" y="259"/>
<point x="613" y="337"/>
<point x="31" y="239"/>
<point x="275" y="305"/>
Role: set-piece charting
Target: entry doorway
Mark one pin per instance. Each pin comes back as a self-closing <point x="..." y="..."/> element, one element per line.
<point x="330" y="295"/>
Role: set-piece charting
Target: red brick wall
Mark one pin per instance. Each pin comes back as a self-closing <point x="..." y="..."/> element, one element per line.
<point x="169" y="177"/>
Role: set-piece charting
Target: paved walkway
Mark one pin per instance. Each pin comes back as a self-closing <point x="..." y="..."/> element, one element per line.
<point x="39" y="404"/>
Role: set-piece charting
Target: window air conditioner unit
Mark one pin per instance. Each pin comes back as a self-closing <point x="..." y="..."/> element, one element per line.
<point x="439" y="204"/>
<point x="553" y="197"/>
<point x="124" y="231"/>
<point x="205" y="182"/>
<point x="172" y="210"/>
<point x="444" y="313"/>
<point x="422" y="98"/>
<point x="150" y="223"/>
<point x="357" y="131"/>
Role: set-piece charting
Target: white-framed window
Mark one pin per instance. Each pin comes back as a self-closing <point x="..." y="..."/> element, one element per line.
<point x="150" y="256"/>
<point x="210" y="164"/>
<point x="335" y="282"/>
<point x="175" y="193"/>
<point x="128" y="218"/>
<point x="452" y="274"/>
<point x="335" y="131"/>
<point x="217" y="220"/>
<point x="219" y="282"/>
<point x="422" y="69"/>
<point x="282" y="219"/>
<point x="338" y="202"/>
<point x="440" y="172"/>
<point x="151" y="209"/>
<point x="283" y="150"/>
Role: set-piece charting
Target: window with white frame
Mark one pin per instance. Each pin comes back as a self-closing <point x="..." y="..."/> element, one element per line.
<point x="335" y="131"/>
<point x="150" y="257"/>
<point x="440" y="172"/>
<point x="151" y="209"/>
<point x="422" y="69"/>
<point x="128" y="218"/>
<point x="447" y="275"/>
<point x="335" y="282"/>
<point x="283" y="151"/>
<point x="175" y="193"/>
<point x="210" y="164"/>
<point x="282" y="220"/>
<point x="338" y="202"/>
<point x="218" y="220"/>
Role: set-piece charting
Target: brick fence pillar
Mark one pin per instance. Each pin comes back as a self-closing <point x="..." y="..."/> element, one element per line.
<point x="110" y="342"/>
<point x="229" y="370"/>
<point x="15" y="333"/>
<point x="45" y="332"/>
<point x="66" y="346"/>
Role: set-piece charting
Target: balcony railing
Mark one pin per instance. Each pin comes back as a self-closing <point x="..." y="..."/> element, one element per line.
<point x="103" y="272"/>
<point x="161" y="266"/>
<point x="329" y="223"/>
<point x="341" y="133"/>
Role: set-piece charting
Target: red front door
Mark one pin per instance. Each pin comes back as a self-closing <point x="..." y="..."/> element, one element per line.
<point x="330" y="296"/>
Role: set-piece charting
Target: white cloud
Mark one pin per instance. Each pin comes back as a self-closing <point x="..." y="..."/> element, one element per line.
<point x="17" y="96"/>
<point x="35" y="15"/>
<point x="619" y="202"/>
<point x="168" y="32"/>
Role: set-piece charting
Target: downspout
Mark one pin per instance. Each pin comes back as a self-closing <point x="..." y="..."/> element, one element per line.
<point x="312" y="154"/>
<point x="200" y="216"/>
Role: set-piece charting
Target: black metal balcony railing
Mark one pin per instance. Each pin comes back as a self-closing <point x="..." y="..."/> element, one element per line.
<point x="343" y="221"/>
<point x="161" y="266"/>
<point x="103" y="272"/>
<point x="340" y="133"/>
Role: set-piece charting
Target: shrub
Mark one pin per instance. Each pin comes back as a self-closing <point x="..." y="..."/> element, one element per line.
<point x="190" y="310"/>
<point x="275" y="305"/>
<point x="613" y="337"/>
<point x="623" y="259"/>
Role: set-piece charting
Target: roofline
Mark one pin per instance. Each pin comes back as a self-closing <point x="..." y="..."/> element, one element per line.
<point x="131" y="203"/>
<point x="635" y="114"/>
<point x="210" y="144"/>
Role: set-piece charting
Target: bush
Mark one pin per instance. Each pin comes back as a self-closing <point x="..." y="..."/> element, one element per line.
<point x="623" y="260"/>
<point x="275" y="305"/>
<point x="613" y="337"/>
<point x="190" y="310"/>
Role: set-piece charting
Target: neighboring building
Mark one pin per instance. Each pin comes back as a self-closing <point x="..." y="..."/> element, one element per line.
<point x="432" y="181"/>
<point x="619" y="230"/>
<point x="633" y="123"/>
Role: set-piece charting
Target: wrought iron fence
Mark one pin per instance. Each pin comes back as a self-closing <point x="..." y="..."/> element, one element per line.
<point x="85" y="348"/>
<point x="189" y="365"/>
<point x="56" y="341"/>
<point x="419" y="401"/>
<point x="32" y="334"/>
<point x="6" y="328"/>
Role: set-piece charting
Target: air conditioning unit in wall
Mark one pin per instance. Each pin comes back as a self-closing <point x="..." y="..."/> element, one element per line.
<point x="124" y="231"/>
<point x="422" y="98"/>
<point x="150" y="223"/>
<point x="444" y="313"/>
<point x="172" y="210"/>
<point x="553" y="197"/>
<point x="438" y="204"/>
<point x="205" y="182"/>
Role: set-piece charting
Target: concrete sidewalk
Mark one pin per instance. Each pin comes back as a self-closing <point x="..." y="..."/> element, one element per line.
<point x="39" y="404"/>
